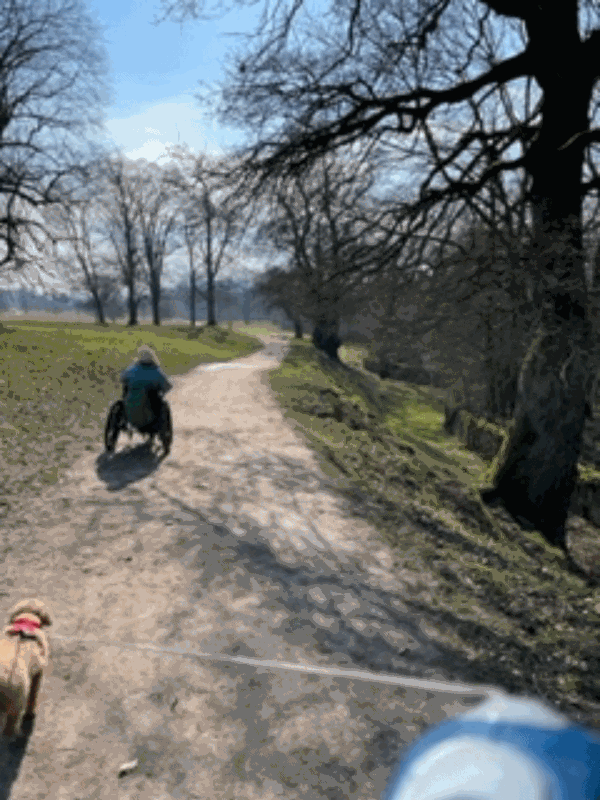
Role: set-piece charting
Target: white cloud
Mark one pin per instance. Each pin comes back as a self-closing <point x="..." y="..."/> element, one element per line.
<point x="151" y="150"/>
<point x="178" y="120"/>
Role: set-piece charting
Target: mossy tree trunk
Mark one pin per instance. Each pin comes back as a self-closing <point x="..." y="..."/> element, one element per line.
<point x="536" y="476"/>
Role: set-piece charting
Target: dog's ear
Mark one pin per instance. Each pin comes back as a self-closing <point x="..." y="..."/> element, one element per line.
<point x="31" y="606"/>
<point x="45" y="618"/>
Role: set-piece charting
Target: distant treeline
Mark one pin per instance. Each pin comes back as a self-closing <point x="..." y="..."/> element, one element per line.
<point x="235" y="300"/>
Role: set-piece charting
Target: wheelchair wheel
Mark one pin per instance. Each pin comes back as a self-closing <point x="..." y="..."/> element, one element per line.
<point x="114" y="423"/>
<point x="165" y="431"/>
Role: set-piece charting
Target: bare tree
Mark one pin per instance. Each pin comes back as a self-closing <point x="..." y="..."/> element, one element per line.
<point x="122" y="221"/>
<point x="157" y="215"/>
<point x="492" y="288"/>
<point x="466" y="317"/>
<point x="190" y="238"/>
<point x="212" y="207"/>
<point x="52" y="88"/>
<point x="72" y="227"/>
<point x="79" y="235"/>
<point x="335" y="233"/>
<point x="106" y="297"/>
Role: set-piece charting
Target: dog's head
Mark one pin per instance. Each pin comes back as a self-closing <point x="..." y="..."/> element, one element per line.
<point x="31" y="606"/>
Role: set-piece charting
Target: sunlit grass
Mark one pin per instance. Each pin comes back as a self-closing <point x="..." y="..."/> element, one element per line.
<point x="258" y="327"/>
<point x="353" y="354"/>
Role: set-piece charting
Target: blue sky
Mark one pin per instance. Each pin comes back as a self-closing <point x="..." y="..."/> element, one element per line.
<point x="155" y="72"/>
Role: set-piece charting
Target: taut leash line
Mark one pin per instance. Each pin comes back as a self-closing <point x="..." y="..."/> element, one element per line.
<point x="425" y="684"/>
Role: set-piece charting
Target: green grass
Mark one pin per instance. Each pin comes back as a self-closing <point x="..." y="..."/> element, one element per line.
<point x="57" y="380"/>
<point x="257" y="327"/>
<point x="501" y="600"/>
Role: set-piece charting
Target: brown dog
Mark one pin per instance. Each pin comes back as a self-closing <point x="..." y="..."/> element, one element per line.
<point x="23" y="656"/>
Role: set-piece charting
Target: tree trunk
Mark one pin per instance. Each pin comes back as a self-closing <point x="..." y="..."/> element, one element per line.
<point x="536" y="476"/>
<point x="490" y="360"/>
<point x="132" y="305"/>
<point x="211" y="317"/>
<point x="247" y="306"/>
<point x="156" y="309"/>
<point x="501" y="392"/>
<point x="99" y="308"/>
<point x="91" y="284"/>
<point x="298" y="330"/>
<point x="192" y="297"/>
<point x="326" y="338"/>
<point x="155" y="297"/>
<point x="507" y="391"/>
<point x="129" y="273"/>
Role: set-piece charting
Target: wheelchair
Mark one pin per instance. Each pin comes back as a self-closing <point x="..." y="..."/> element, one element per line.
<point x="161" y="426"/>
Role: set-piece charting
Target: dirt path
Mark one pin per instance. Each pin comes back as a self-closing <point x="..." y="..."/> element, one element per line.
<point x="234" y="544"/>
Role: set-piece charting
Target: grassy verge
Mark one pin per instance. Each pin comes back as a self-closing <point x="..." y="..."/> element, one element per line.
<point x="57" y="380"/>
<point x="498" y="599"/>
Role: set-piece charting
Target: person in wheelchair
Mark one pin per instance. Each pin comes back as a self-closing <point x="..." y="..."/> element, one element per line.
<point x="142" y="406"/>
<point x="144" y="383"/>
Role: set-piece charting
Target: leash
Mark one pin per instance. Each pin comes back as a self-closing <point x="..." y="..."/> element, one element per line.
<point x="425" y="684"/>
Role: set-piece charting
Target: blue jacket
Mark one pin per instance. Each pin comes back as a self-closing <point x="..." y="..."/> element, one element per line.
<point x="138" y="379"/>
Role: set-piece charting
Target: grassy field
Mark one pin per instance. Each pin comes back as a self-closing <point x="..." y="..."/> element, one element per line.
<point x="502" y="600"/>
<point x="57" y="380"/>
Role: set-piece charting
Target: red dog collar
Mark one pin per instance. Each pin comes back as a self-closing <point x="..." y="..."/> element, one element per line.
<point x="24" y="625"/>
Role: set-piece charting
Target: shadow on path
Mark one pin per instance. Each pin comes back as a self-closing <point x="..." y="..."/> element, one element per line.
<point x="12" y="754"/>
<point x="322" y="622"/>
<point x="118" y="470"/>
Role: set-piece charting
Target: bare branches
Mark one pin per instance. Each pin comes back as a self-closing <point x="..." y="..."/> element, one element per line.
<point x="333" y="233"/>
<point x="214" y="196"/>
<point x="123" y="226"/>
<point x="157" y="215"/>
<point x="464" y="82"/>
<point x="361" y="113"/>
<point x="51" y="90"/>
<point x="78" y="232"/>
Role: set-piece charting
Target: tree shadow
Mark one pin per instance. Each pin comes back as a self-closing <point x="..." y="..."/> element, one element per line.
<point x="335" y="635"/>
<point x="324" y="621"/>
<point x="12" y="754"/>
<point x="118" y="470"/>
<point x="324" y="624"/>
